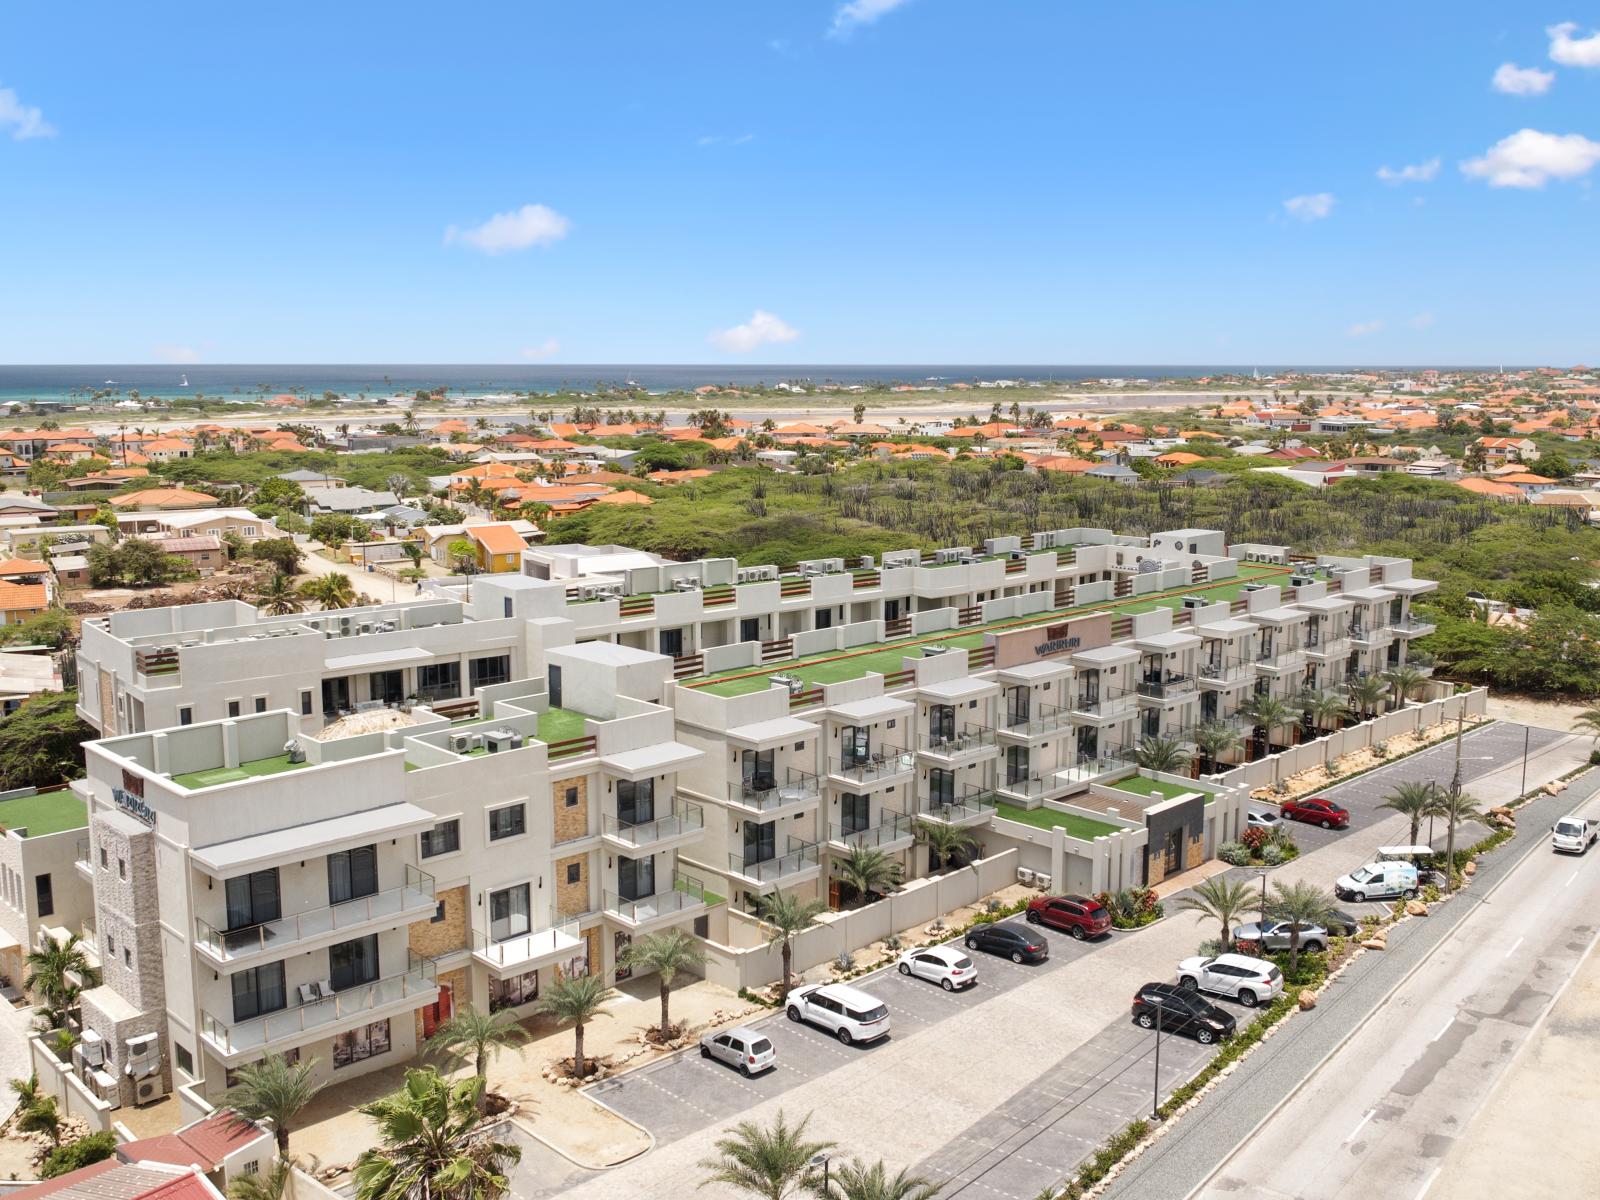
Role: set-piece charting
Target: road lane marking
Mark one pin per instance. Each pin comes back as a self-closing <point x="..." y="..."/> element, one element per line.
<point x="1359" y="1124"/>
<point x="1570" y="878"/>
<point x="1513" y="949"/>
<point x="1428" y="1182"/>
<point x="1443" y="1029"/>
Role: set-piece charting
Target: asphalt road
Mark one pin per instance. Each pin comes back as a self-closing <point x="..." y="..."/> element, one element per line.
<point x="1383" y="1114"/>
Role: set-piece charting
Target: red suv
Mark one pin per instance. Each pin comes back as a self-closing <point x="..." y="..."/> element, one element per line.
<point x="1318" y="811"/>
<point x="1077" y="915"/>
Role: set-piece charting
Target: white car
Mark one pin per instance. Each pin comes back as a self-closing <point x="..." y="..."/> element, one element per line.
<point x="950" y="969"/>
<point x="1251" y="981"/>
<point x="850" y="1015"/>
<point x="748" y="1049"/>
<point x="1263" y="819"/>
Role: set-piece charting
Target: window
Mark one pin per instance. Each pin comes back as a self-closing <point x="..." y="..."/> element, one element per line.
<point x="439" y="681"/>
<point x="305" y="704"/>
<point x="353" y="963"/>
<point x="233" y="708"/>
<point x="509" y="993"/>
<point x="261" y="704"/>
<point x="636" y="877"/>
<point x="672" y="642"/>
<point x="438" y="914"/>
<point x="230" y="1077"/>
<point x="122" y="868"/>
<point x="104" y="860"/>
<point x="570" y="797"/>
<point x="258" y="990"/>
<point x="111" y="944"/>
<point x="185" y="1059"/>
<point x="44" y="894"/>
<point x="253" y="899"/>
<point x="352" y="874"/>
<point x="636" y="801"/>
<point x="481" y="672"/>
<point x="510" y="821"/>
<point x="253" y="1167"/>
<point x="186" y="715"/>
<point x="361" y="1044"/>
<point x="127" y="957"/>
<point x="574" y="872"/>
<point x="443" y="838"/>
<point x="506" y="606"/>
<point x="508" y="913"/>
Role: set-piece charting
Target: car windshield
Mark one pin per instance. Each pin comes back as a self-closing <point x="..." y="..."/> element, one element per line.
<point x="867" y="1016"/>
<point x="760" y="1046"/>
<point x="1362" y="874"/>
<point x="1568" y="827"/>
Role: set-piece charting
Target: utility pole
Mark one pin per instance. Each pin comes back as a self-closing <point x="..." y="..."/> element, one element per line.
<point x="1527" y="734"/>
<point x="1155" y="1087"/>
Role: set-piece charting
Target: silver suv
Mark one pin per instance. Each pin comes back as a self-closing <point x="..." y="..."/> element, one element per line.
<point x="848" y="1014"/>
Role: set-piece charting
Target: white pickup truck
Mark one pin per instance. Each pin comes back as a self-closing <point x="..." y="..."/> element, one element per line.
<point x="1573" y="835"/>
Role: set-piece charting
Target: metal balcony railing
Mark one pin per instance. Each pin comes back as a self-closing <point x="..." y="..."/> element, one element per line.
<point x="968" y="737"/>
<point x="800" y="857"/>
<point x="686" y="893"/>
<point x="1046" y="719"/>
<point x="687" y="817"/>
<point x="891" y="827"/>
<point x="417" y="892"/>
<point x="763" y="794"/>
<point x="522" y="948"/>
<point x="878" y="764"/>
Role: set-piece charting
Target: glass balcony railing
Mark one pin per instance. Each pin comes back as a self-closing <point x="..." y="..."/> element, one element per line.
<point x="891" y="828"/>
<point x="686" y="818"/>
<point x="764" y="794"/>
<point x="802" y="856"/>
<point x="961" y="741"/>
<point x="1046" y="718"/>
<point x="1166" y="686"/>
<point x="877" y="764"/>
<point x="526" y="949"/>
<point x="274" y="937"/>
<point x="973" y="805"/>
<point x="685" y="895"/>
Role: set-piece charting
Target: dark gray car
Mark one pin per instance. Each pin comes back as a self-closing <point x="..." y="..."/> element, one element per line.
<point x="1274" y="935"/>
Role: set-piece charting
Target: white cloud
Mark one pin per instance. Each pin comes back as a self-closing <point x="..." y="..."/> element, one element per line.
<point x="530" y="225"/>
<point x="548" y="348"/>
<point x="1309" y="208"/>
<point x="1420" y="172"/>
<point x="761" y="329"/>
<point x="1421" y="321"/>
<point x="1570" y="51"/>
<point x="1363" y="328"/>
<point x="168" y="353"/>
<point x="24" y="120"/>
<point x="1522" y="81"/>
<point x="855" y="13"/>
<point x="1529" y="159"/>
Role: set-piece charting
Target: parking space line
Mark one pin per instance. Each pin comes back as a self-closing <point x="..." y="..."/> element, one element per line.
<point x="1359" y="1125"/>
<point x="1443" y="1029"/>
<point x="1513" y="949"/>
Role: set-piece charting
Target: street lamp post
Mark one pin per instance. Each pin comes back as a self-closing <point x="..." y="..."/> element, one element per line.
<point x="1263" y="872"/>
<point x="821" y="1160"/>
<point x="1527" y="734"/>
<point x="1155" y="1086"/>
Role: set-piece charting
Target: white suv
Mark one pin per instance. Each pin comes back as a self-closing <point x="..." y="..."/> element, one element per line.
<point x="848" y="1014"/>
<point x="1251" y="981"/>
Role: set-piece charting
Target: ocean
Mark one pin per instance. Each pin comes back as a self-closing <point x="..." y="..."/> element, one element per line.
<point x="245" y="381"/>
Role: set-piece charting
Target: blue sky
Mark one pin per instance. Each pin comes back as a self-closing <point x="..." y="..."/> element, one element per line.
<point x="1022" y="181"/>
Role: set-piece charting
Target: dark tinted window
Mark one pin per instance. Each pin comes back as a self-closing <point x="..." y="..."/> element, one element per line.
<point x="760" y="1046"/>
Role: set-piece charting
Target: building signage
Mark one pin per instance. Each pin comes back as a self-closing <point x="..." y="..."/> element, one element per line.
<point x="129" y="798"/>
<point x="1014" y="647"/>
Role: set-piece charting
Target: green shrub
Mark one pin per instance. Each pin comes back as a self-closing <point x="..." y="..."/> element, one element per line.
<point x="1235" y="854"/>
<point x="84" y="1152"/>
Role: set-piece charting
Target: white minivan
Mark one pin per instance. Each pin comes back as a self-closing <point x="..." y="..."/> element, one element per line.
<point x="1378" y="881"/>
<point x="848" y="1014"/>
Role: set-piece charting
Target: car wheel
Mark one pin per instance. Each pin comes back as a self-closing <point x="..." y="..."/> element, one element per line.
<point x="744" y="1069"/>
<point x="705" y="1051"/>
<point x="1033" y="917"/>
<point x="1204" y="1036"/>
<point x="1327" y="824"/>
<point x="1189" y="982"/>
<point x="905" y="968"/>
<point x="972" y="943"/>
<point x="1411" y="893"/>
<point x="844" y="1036"/>
<point x="1077" y="932"/>
<point x="947" y="985"/>
<point x="1359" y="897"/>
<point x="1146" y="1021"/>
<point x="1248" y="998"/>
<point x="1016" y="956"/>
<point x="1314" y="947"/>
<point x="794" y="1013"/>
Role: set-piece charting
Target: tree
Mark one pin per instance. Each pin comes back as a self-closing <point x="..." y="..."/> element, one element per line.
<point x="1367" y="695"/>
<point x="1589" y="720"/>
<point x="576" y="1001"/>
<point x="83" y="1152"/>
<point x="1267" y="713"/>
<point x="869" y="870"/>
<point x="945" y="842"/>
<point x="53" y="961"/>
<point x="665" y="954"/>
<point x="279" y="596"/>
<point x="42" y="1116"/>
<point x="1414" y="799"/>
<point x="282" y="553"/>
<point x="1155" y="753"/>
<point x="434" y="1145"/>
<point x="478" y="1037"/>
<point x="282" y="493"/>
<point x="1213" y="739"/>
<point x="1455" y="806"/>
<point x="1406" y="681"/>
<point x="463" y="555"/>
<point x="331" y="591"/>
<point x="1222" y="899"/>
<point x="41" y="743"/>
<point x="1325" y="710"/>
<point x="333" y="529"/>
<point x="412" y="550"/>
<point x="772" y="1162"/>
<point x="52" y="627"/>
<point x="1300" y="904"/>
<point x="786" y="916"/>
<point x="856" y="1180"/>
<point x="274" y="1090"/>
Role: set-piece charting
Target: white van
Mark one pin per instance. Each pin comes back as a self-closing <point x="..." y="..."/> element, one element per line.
<point x="848" y="1014"/>
<point x="1378" y="881"/>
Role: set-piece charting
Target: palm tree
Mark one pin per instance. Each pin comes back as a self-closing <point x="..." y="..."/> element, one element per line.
<point x="1326" y="710"/>
<point x="434" y="1144"/>
<point x="869" y="870"/>
<point x="1221" y="898"/>
<point x="666" y="954"/>
<point x="271" y="1186"/>
<point x="274" y="1090"/>
<point x="331" y="591"/>
<point x="1156" y="753"/>
<point x="1267" y="713"/>
<point x="1213" y="739"/>
<point x="944" y="842"/>
<point x="42" y="1116"/>
<point x="773" y="1163"/>
<point x="1406" y="681"/>
<point x="786" y="916"/>
<point x="1589" y="720"/>
<point x="52" y="962"/>
<point x="857" y="1181"/>
<point x="27" y="1091"/>
<point x="1367" y="695"/>
<point x="1454" y="806"/>
<point x="1416" y="799"/>
<point x="279" y="596"/>
<point x="1300" y="904"/>
<point x="577" y="1000"/>
<point x="479" y="1037"/>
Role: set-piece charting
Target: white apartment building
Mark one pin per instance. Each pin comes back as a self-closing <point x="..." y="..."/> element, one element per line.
<point x="318" y="834"/>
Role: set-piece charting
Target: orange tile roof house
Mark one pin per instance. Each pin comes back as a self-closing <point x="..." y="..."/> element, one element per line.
<point x="1062" y="464"/>
<point x="1505" y="447"/>
<point x="163" y="500"/>
<point x="19" y="601"/>
<point x="625" y="498"/>
<point x="678" y="476"/>
<point x="499" y="547"/>
<point x="1178" y="458"/>
<point x="1488" y="487"/>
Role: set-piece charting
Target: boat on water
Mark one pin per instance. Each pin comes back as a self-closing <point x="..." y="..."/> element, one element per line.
<point x="110" y="383"/>
<point x="185" y="382"/>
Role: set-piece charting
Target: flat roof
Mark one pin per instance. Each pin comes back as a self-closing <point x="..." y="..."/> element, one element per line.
<point x="1328" y="604"/>
<point x="1371" y="593"/>
<point x="1106" y="654"/>
<point x="380" y="658"/>
<point x="871" y="708"/>
<point x="1279" y="615"/>
<point x="324" y="837"/>
<point x="779" y="729"/>
<point x="1031" y="671"/>
<point x="1213" y="628"/>
<point x="45" y="812"/>
<point x="1169" y="641"/>
<point x="662" y="756"/>
<point x="964" y="687"/>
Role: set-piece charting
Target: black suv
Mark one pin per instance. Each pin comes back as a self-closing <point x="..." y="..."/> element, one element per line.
<point x="1182" y="1010"/>
<point x="1016" y="942"/>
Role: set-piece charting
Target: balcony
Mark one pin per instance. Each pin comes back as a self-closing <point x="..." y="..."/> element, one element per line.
<point x="975" y="807"/>
<point x="681" y="825"/>
<point x="894" y="831"/>
<point x="528" y="951"/>
<point x="411" y="901"/>
<point x="321" y="1018"/>
<point x="1046" y="719"/>
<point x="1092" y="768"/>
<point x="802" y="862"/>
<point x="1220" y="674"/>
<point x="883" y="765"/>
<point x="1166" y="687"/>
<point x="1411" y="626"/>
<point x="1331" y="645"/>
<point x="764" y="796"/>
<point x="965" y="743"/>
<point x="82" y="859"/>
<point x="686" y="896"/>
<point x="1027" y="789"/>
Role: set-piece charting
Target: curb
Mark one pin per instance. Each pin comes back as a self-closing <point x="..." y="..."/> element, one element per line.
<point x="1362" y="1023"/>
<point x="549" y="1145"/>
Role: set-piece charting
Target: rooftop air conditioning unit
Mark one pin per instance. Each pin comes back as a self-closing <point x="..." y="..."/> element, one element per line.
<point x="1253" y="587"/>
<point x="149" y="1089"/>
<point x="789" y="681"/>
<point x="930" y="651"/>
<point x="1194" y="602"/>
<point x="460" y="743"/>
<point x="968" y="559"/>
<point x="497" y="740"/>
<point x="344" y="626"/>
<point x="1025" y="876"/>
<point x="143" y="1056"/>
<point x="866" y="562"/>
<point x="685" y="585"/>
<point x="365" y="627"/>
<point x="833" y="565"/>
<point x="810" y="569"/>
<point x="1016" y="555"/>
<point x="947" y="556"/>
<point x="1041" y="881"/>
<point x="1300" y="581"/>
<point x="91" y="1050"/>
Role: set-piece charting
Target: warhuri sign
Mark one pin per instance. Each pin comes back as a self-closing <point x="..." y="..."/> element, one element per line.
<point x="129" y="798"/>
<point x="1057" y="640"/>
